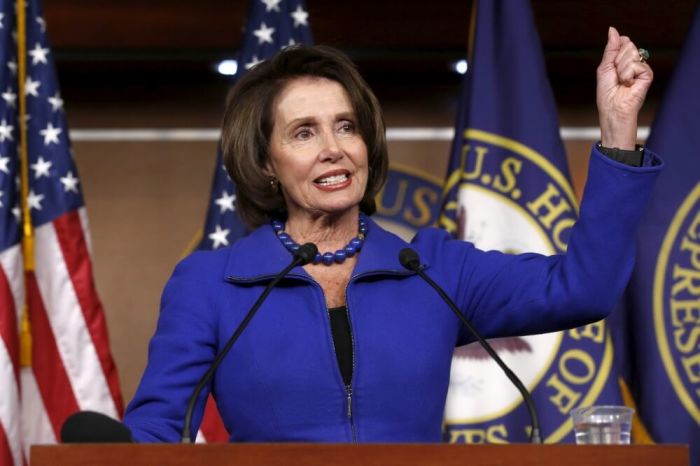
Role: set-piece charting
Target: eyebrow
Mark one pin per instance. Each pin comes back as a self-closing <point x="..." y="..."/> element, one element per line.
<point x="310" y="119"/>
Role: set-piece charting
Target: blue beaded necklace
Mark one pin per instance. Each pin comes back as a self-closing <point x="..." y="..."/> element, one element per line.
<point x="327" y="258"/>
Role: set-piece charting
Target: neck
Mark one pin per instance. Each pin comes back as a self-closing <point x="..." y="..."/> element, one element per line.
<point x="328" y="232"/>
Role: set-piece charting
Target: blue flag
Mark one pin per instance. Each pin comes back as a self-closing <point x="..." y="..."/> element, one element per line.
<point x="663" y="301"/>
<point x="507" y="188"/>
<point x="272" y="25"/>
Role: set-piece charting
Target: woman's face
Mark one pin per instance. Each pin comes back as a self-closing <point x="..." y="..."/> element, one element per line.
<point x="316" y="151"/>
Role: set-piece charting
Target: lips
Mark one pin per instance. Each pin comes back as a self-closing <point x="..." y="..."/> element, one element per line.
<point x="333" y="180"/>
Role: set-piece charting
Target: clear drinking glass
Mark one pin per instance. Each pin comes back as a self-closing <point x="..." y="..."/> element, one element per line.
<point x="609" y="425"/>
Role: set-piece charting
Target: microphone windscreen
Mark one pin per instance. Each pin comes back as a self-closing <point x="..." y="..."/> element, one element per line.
<point x="409" y="259"/>
<point x="92" y="427"/>
<point x="306" y="252"/>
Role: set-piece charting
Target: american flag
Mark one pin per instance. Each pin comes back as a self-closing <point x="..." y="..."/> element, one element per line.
<point x="272" y="25"/>
<point x="65" y="363"/>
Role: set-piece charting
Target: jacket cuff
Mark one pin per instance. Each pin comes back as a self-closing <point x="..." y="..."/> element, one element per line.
<point x="633" y="158"/>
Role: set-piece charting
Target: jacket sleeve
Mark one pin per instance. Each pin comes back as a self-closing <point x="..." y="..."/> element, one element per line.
<point x="181" y="350"/>
<point x="505" y="295"/>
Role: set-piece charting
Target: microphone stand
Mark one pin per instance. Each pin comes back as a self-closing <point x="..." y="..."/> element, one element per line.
<point x="410" y="260"/>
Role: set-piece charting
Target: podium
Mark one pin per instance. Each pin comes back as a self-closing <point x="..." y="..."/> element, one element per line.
<point x="363" y="454"/>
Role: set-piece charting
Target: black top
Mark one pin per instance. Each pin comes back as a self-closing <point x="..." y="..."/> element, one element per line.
<point x="342" y="340"/>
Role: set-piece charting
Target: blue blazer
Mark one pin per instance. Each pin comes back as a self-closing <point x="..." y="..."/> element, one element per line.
<point x="281" y="382"/>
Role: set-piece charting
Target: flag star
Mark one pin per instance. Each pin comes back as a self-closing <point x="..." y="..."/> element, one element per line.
<point x="41" y="167"/>
<point x="70" y="182"/>
<point x="1" y="193"/>
<point x="2" y="16"/>
<point x="34" y="200"/>
<point x="56" y="102"/>
<point x="42" y="24"/>
<point x="17" y="213"/>
<point x="38" y="54"/>
<point x="9" y="97"/>
<point x="225" y="202"/>
<point x="12" y="65"/>
<point x="50" y="134"/>
<point x="31" y="87"/>
<point x="219" y="237"/>
<point x="3" y="164"/>
<point x="271" y="5"/>
<point x="5" y="131"/>
<point x="254" y="61"/>
<point x="264" y="34"/>
<point x="300" y="17"/>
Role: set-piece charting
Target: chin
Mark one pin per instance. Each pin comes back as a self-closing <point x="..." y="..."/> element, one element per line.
<point x="341" y="204"/>
<point x="336" y="210"/>
<point x="339" y="208"/>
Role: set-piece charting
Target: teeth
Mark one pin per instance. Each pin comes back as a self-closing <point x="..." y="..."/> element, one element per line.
<point x="331" y="180"/>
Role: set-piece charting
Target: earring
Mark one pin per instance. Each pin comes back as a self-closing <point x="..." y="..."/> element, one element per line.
<point x="274" y="184"/>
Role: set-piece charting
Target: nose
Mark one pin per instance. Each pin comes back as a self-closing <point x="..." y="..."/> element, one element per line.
<point x="331" y="150"/>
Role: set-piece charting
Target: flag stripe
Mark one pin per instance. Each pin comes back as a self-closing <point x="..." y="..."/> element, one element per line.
<point x="73" y="340"/>
<point x="49" y="370"/>
<point x="5" y="452"/>
<point x="85" y="224"/>
<point x="71" y="239"/>
<point x="36" y="425"/>
<point x="212" y="427"/>
<point x="9" y="410"/>
<point x="8" y="324"/>
<point x="10" y="450"/>
<point x="11" y="264"/>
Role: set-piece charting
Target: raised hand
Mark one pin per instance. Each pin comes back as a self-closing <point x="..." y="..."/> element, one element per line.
<point x="623" y="81"/>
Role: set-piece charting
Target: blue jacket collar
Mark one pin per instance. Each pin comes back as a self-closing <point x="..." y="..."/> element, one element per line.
<point x="260" y="255"/>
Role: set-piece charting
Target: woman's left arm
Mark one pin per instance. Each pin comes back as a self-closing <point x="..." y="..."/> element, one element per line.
<point x="530" y="293"/>
<point x="506" y="295"/>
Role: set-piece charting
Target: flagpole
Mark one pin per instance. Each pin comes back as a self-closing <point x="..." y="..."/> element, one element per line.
<point x="27" y="228"/>
<point x="472" y="34"/>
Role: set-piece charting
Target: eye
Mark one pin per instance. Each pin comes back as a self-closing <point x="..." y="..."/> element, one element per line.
<point x="346" y="127"/>
<point x="303" y="133"/>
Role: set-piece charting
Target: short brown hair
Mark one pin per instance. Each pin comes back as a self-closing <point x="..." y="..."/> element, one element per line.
<point x="248" y="121"/>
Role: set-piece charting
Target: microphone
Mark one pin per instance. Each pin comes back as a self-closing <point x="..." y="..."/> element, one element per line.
<point x="93" y="427"/>
<point x="302" y="256"/>
<point x="410" y="260"/>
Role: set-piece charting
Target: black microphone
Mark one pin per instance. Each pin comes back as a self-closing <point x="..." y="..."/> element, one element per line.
<point x="93" y="427"/>
<point x="410" y="260"/>
<point x="302" y="256"/>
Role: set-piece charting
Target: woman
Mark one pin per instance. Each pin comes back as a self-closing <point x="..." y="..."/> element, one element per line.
<point x="355" y="347"/>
